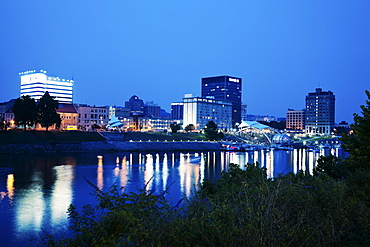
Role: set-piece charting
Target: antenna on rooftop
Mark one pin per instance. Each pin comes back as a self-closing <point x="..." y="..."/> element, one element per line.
<point x="72" y="75"/>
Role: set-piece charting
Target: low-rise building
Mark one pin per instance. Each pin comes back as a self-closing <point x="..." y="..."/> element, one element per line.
<point x="6" y="113"/>
<point x="69" y="116"/>
<point x="92" y="115"/>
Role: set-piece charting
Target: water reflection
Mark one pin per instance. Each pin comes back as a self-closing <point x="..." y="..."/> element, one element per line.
<point x="10" y="186"/>
<point x="31" y="206"/>
<point x="62" y="193"/>
<point x="37" y="189"/>
<point x="99" y="173"/>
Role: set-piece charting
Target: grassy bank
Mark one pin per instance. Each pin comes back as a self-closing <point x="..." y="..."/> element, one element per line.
<point x="36" y="137"/>
<point x="161" y="136"/>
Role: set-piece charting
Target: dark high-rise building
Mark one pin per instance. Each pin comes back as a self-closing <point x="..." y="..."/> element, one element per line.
<point x="152" y="110"/>
<point x="136" y="107"/>
<point x="177" y="111"/>
<point x="320" y="112"/>
<point x="225" y="88"/>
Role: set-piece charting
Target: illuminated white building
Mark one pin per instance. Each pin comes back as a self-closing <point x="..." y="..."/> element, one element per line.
<point x="36" y="83"/>
<point x="199" y="111"/>
<point x="90" y="115"/>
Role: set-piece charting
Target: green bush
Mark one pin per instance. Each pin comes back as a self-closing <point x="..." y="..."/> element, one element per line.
<point x="241" y="208"/>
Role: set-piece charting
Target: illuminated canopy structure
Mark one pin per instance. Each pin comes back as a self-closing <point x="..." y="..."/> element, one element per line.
<point x="254" y="126"/>
<point x="114" y="123"/>
<point x="281" y="139"/>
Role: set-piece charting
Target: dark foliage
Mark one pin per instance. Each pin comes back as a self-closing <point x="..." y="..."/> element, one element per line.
<point x="175" y="127"/>
<point x="47" y="112"/>
<point x="242" y="208"/>
<point x="3" y="124"/>
<point x="358" y="143"/>
<point x="25" y="111"/>
<point x="189" y="127"/>
<point x="332" y="166"/>
<point x="212" y="132"/>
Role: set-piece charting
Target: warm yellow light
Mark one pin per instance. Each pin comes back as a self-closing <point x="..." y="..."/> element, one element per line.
<point x="10" y="185"/>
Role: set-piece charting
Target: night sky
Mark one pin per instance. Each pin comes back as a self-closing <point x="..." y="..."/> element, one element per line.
<point x="160" y="50"/>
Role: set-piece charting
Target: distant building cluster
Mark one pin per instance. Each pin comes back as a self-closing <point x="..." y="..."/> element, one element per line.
<point x="220" y="102"/>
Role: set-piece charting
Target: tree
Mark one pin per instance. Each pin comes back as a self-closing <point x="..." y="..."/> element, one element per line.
<point x="330" y="165"/>
<point x="357" y="144"/>
<point x="47" y="111"/>
<point x="211" y="131"/>
<point x="25" y="111"/>
<point x="95" y="126"/>
<point x="189" y="127"/>
<point x="2" y="124"/>
<point x="174" y="127"/>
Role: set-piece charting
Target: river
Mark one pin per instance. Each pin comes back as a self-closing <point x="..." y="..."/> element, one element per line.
<point x="36" y="189"/>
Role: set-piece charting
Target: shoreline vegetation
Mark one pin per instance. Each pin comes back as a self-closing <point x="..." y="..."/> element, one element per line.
<point x="241" y="208"/>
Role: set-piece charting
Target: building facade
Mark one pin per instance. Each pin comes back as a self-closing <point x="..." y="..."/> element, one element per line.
<point x="225" y="88"/>
<point x="152" y="110"/>
<point x="90" y="115"/>
<point x="177" y="110"/>
<point x="69" y="116"/>
<point x="295" y="119"/>
<point x="199" y="111"/>
<point x="36" y="83"/>
<point x="320" y="112"/>
<point x="6" y="113"/>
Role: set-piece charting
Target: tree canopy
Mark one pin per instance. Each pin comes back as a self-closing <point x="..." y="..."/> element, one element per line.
<point x="25" y="111"/>
<point x="357" y="144"/>
<point x="2" y="124"/>
<point x="175" y="127"/>
<point x="47" y="111"/>
<point x="212" y="132"/>
<point x="189" y="127"/>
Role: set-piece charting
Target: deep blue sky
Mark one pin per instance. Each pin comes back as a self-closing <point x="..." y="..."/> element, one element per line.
<point x="160" y="50"/>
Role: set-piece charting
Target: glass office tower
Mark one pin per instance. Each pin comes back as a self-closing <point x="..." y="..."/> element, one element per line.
<point x="225" y="88"/>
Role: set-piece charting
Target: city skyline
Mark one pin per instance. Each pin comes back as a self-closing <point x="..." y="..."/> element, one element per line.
<point x="160" y="51"/>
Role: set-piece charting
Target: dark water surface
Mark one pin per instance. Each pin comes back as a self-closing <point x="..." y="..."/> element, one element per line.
<point x="36" y="189"/>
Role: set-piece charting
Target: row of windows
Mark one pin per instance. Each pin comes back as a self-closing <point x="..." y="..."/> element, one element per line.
<point x="98" y="110"/>
<point x="67" y="117"/>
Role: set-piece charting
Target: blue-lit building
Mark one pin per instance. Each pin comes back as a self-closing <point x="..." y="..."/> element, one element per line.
<point x="177" y="110"/>
<point x="225" y="88"/>
<point x="199" y="111"/>
<point x="320" y="112"/>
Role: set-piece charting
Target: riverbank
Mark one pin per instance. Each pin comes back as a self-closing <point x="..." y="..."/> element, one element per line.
<point x="110" y="146"/>
<point x="76" y="141"/>
<point x="37" y="137"/>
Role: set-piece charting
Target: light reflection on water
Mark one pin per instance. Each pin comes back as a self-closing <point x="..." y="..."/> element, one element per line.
<point x="36" y="190"/>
